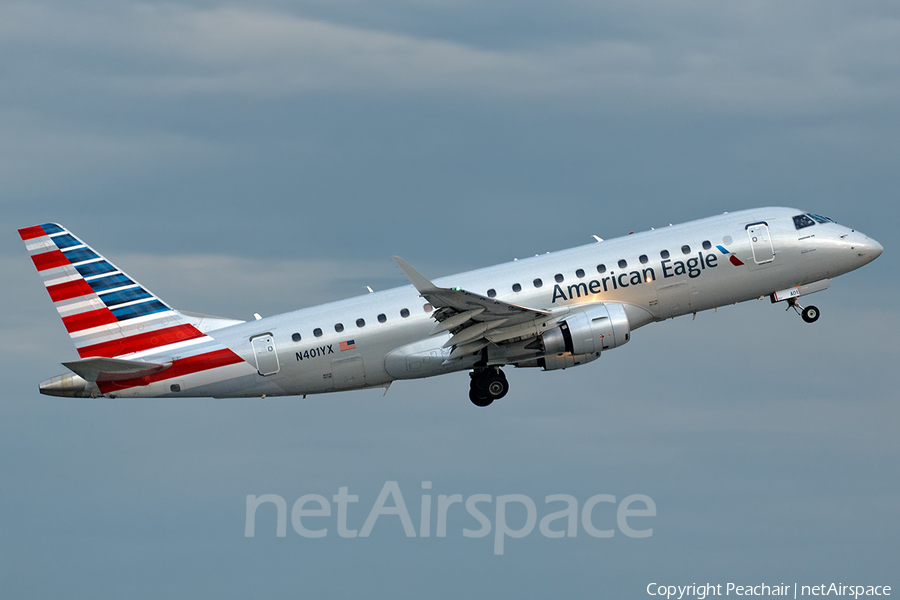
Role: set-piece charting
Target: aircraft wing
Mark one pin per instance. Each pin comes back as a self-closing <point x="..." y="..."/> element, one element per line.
<point x="470" y="317"/>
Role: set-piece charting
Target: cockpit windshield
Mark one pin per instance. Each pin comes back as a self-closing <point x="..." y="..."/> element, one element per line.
<point x="801" y="221"/>
<point x="809" y="219"/>
<point x="820" y="218"/>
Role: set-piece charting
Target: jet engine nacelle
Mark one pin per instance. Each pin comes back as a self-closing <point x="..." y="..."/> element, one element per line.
<point x="583" y="336"/>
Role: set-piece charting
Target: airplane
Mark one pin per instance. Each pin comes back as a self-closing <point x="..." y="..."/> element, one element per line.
<point x="552" y="311"/>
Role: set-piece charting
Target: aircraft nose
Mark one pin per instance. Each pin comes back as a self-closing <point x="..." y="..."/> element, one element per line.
<point x="876" y="249"/>
<point x="867" y="248"/>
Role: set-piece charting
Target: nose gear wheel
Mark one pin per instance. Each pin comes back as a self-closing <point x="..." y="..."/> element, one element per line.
<point x="810" y="314"/>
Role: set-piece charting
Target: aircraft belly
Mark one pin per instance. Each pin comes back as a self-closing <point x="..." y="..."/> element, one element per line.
<point x="740" y="284"/>
<point x="214" y="382"/>
<point x="673" y="299"/>
<point x="348" y="372"/>
<point x="419" y="359"/>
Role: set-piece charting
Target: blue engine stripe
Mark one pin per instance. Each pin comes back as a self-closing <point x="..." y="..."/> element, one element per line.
<point x="138" y="310"/>
<point x="52" y="228"/>
<point x="95" y="268"/>
<point x="80" y="255"/>
<point x="65" y="241"/>
<point x="125" y="296"/>
<point x="109" y="282"/>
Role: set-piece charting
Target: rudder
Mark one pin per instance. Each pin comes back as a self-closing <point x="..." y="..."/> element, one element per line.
<point x="106" y="312"/>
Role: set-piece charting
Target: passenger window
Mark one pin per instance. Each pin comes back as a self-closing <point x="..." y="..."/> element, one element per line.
<point x="664" y="254"/>
<point x="339" y="327"/>
<point x="296" y="337"/>
<point x="428" y="308"/>
<point x="644" y="259"/>
<point x="360" y="322"/>
<point x="317" y="332"/>
<point x="382" y="318"/>
<point x="538" y="282"/>
<point x="623" y="263"/>
<point x="601" y="268"/>
<point x="685" y="249"/>
<point x="517" y="287"/>
<point x="492" y="292"/>
<point x="579" y="273"/>
<point x="558" y="277"/>
<point x="707" y="245"/>
<point x="404" y="313"/>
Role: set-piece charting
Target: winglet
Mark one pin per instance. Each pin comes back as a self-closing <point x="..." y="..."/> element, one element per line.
<point x="420" y="282"/>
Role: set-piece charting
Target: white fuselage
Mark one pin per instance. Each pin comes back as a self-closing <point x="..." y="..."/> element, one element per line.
<point x="382" y="345"/>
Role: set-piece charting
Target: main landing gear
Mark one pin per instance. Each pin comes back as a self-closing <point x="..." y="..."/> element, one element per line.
<point x="487" y="385"/>
<point x="810" y="314"/>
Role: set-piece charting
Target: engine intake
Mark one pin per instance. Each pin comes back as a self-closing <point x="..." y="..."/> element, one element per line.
<point x="583" y="336"/>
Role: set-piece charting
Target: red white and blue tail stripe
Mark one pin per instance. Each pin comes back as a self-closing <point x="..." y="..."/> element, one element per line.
<point x="106" y="312"/>
<point x="109" y="314"/>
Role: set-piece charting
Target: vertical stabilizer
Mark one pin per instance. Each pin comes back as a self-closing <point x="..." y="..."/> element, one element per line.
<point x="106" y="312"/>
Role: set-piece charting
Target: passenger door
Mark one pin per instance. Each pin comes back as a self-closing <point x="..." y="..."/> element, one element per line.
<point x="761" y="243"/>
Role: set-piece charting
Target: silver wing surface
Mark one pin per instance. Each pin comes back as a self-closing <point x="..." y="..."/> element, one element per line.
<point x="475" y="320"/>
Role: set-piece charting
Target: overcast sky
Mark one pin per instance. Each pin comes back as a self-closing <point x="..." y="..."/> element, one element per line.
<point x="265" y="156"/>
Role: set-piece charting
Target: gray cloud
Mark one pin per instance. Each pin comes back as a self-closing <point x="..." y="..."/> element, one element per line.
<point x="724" y="60"/>
<point x="265" y="157"/>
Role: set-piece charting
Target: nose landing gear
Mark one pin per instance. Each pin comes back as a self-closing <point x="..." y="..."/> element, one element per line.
<point x="487" y="385"/>
<point x="810" y="314"/>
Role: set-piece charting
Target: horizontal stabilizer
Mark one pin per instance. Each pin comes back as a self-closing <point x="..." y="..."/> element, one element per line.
<point x="113" y="369"/>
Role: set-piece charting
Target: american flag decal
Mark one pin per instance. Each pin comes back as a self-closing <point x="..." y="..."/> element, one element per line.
<point x="348" y="345"/>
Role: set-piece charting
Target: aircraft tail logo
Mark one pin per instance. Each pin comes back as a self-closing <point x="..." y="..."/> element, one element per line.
<point x="106" y="312"/>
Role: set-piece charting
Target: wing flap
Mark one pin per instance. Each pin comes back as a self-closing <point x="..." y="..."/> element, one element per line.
<point x="453" y="302"/>
<point x="467" y="348"/>
<point x="455" y="321"/>
<point x="468" y="316"/>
